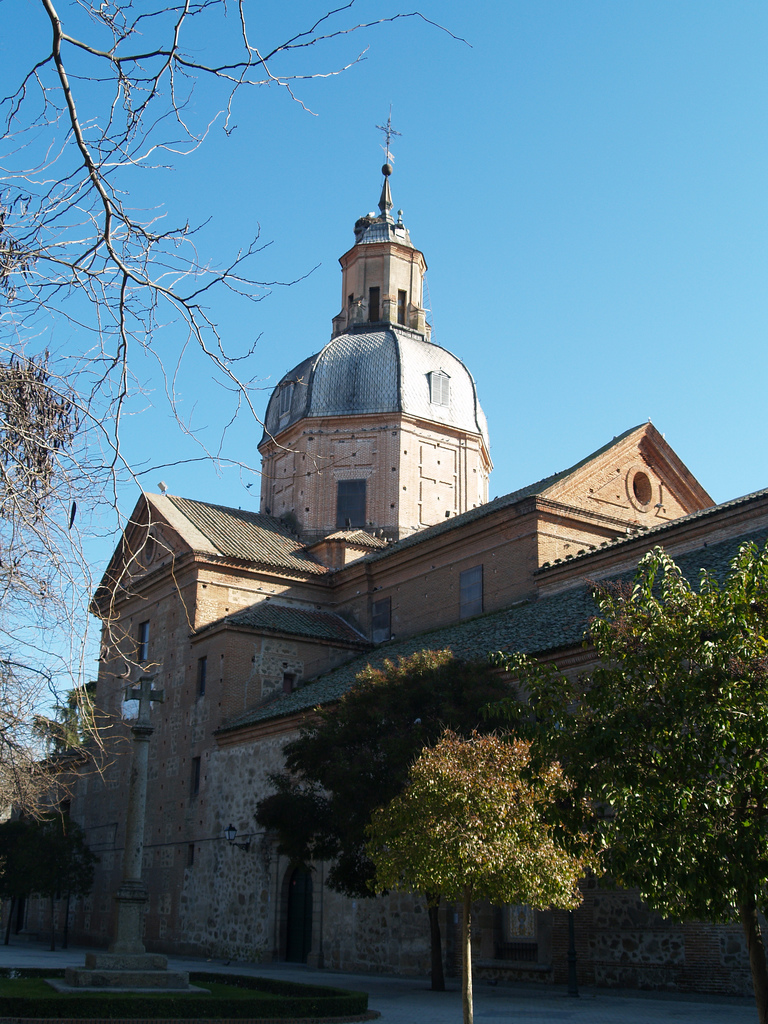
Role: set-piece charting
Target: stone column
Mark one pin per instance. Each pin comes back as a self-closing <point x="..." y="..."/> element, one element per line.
<point x="132" y="897"/>
<point x="127" y="965"/>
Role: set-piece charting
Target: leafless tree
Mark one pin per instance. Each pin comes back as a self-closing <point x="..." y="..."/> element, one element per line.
<point x="108" y="94"/>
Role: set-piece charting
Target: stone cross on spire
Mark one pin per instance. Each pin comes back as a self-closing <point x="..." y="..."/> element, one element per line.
<point x="385" y="202"/>
<point x="389" y="131"/>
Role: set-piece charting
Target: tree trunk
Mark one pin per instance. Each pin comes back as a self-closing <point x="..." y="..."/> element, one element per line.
<point x="751" y="926"/>
<point x="466" y="959"/>
<point x="65" y="943"/>
<point x="10" y="921"/>
<point x="53" y="928"/>
<point x="438" y="978"/>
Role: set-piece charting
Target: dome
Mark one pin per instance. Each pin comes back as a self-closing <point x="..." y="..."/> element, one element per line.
<point x="391" y="370"/>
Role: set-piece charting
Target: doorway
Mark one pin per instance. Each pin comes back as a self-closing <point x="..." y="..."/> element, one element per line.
<point x="299" y="933"/>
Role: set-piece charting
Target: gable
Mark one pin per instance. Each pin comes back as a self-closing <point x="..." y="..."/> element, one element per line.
<point x="150" y="540"/>
<point x="638" y="480"/>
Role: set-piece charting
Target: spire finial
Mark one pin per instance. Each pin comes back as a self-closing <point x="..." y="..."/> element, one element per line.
<point x="385" y="202"/>
<point x="389" y="131"/>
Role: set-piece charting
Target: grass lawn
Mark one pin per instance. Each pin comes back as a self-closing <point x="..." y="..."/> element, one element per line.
<point x="37" y="988"/>
<point x="229" y="996"/>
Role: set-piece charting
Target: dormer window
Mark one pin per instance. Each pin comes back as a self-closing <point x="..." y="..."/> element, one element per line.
<point x="284" y="401"/>
<point x="439" y="388"/>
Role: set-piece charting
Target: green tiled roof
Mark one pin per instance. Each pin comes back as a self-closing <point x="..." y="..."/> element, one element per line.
<point x="251" y="536"/>
<point x="537" y="627"/>
<point x="269" y="617"/>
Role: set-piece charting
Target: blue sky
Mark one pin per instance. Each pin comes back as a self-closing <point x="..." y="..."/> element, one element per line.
<point x="587" y="181"/>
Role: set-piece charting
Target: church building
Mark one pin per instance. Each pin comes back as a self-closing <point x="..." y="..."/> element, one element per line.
<point x="374" y="539"/>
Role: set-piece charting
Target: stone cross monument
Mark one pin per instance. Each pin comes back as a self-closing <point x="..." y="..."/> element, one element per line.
<point x="131" y="898"/>
<point x="127" y="965"/>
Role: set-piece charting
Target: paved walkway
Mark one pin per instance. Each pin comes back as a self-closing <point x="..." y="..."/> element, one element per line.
<point x="409" y="1001"/>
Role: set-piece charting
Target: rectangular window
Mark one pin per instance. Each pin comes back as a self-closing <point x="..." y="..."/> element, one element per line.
<point x="381" y="620"/>
<point x="202" y="673"/>
<point x="190" y="855"/>
<point x="286" y="393"/>
<point x="143" y="646"/>
<point x="401" y="300"/>
<point x="350" y="299"/>
<point x="373" y="303"/>
<point x="350" y="504"/>
<point x="439" y="388"/>
<point x="289" y="682"/>
<point x="471" y="592"/>
<point x="195" y="780"/>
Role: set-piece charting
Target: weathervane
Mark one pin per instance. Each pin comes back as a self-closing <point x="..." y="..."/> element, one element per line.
<point x="389" y="131"/>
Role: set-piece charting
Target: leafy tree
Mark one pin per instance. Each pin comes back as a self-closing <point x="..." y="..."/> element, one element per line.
<point x="669" y="738"/>
<point x="16" y="866"/>
<point x="73" y="725"/>
<point x="473" y="825"/>
<point x="354" y="756"/>
<point x="48" y="857"/>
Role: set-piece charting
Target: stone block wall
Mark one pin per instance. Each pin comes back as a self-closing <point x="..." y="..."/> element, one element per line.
<point x="621" y="943"/>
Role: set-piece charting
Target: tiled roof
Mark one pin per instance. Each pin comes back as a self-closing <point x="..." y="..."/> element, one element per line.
<point x="375" y="368"/>
<point x="505" y="501"/>
<point x="657" y="532"/>
<point x="266" y="616"/>
<point x="538" y="627"/>
<point x="236" y="533"/>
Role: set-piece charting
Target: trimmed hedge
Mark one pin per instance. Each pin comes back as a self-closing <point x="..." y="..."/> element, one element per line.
<point x="285" y="1000"/>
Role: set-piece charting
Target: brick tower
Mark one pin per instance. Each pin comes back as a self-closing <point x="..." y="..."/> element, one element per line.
<point x="381" y="430"/>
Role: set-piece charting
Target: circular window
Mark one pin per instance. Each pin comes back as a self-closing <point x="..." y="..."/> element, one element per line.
<point x="641" y="488"/>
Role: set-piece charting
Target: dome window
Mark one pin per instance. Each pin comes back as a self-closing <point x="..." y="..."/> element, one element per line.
<point x="439" y="388"/>
<point x="284" y="401"/>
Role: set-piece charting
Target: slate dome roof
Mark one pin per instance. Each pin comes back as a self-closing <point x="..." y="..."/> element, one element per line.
<point x="376" y="371"/>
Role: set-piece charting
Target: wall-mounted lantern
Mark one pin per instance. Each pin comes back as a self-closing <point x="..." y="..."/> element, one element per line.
<point x="230" y="834"/>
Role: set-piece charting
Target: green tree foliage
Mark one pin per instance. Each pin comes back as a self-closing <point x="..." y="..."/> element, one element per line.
<point x="16" y="867"/>
<point x="354" y="756"/>
<point x="48" y="857"/>
<point x="73" y="724"/>
<point x="670" y="738"/>
<point x="473" y="823"/>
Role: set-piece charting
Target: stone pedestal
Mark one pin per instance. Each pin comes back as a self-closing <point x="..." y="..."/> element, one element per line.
<point x="126" y="971"/>
<point x="131" y="901"/>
